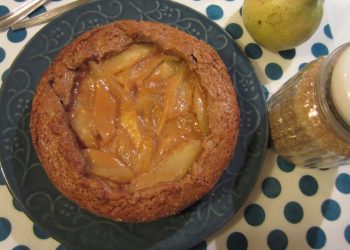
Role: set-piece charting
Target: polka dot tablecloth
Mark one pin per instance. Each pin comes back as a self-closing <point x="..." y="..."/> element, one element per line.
<point x="289" y="207"/>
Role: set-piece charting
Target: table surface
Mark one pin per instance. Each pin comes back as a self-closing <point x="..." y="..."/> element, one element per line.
<point x="289" y="207"/>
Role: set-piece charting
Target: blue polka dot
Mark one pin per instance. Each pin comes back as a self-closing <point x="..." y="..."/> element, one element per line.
<point x="253" y="50"/>
<point x="240" y="11"/>
<point x="308" y="185"/>
<point x="254" y="215"/>
<point x="287" y="54"/>
<point x="285" y="165"/>
<point x="63" y="247"/>
<point x="265" y="91"/>
<point x="214" y="12"/>
<point x="16" y="205"/>
<point x="330" y="210"/>
<point x="39" y="233"/>
<point x="21" y="247"/>
<point x="3" y="78"/>
<point x="347" y="234"/>
<point x="5" y="228"/>
<point x="2" y="54"/>
<point x="235" y="30"/>
<point x="327" y="31"/>
<point x="343" y="183"/>
<point x="273" y="71"/>
<point x="293" y="212"/>
<point x="16" y="36"/>
<point x="3" y="10"/>
<point x="319" y="49"/>
<point x="315" y="237"/>
<point x="271" y="187"/>
<point x="277" y="240"/>
<point x="237" y="241"/>
<point x="302" y="66"/>
<point x="200" y="246"/>
<point x="2" y="181"/>
<point x="38" y="11"/>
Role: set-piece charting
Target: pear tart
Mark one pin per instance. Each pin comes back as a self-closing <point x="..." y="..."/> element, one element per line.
<point x="135" y="121"/>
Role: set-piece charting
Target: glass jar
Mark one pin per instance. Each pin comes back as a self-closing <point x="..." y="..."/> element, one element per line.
<point x="309" y="116"/>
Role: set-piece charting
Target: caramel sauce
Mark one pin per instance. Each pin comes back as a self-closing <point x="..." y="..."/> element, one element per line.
<point x="141" y="116"/>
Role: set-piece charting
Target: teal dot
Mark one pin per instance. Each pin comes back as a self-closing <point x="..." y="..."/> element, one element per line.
<point x="240" y="11"/>
<point x="3" y="10"/>
<point x="17" y="35"/>
<point x="330" y="210"/>
<point x="308" y="185"/>
<point x="235" y="30"/>
<point x="273" y="71"/>
<point x="271" y="187"/>
<point x="302" y="66"/>
<point x="2" y="54"/>
<point x="315" y="237"/>
<point x="237" y="241"/>
<point x="293" y="212"/>
<point x="214" y="12"/>
<point x="21" y="247"/>
<point x="265" y="91"/>
<point x="38" y="11"/>
<point x="327" y="31"/>
<point x="277" y="240"/>
<point x="343" y="183"/>
<point x="285" y="165"/>
<point x="38" y="232"/>
<point x="347" y="234"/>
<point x="319" y="49"/>
<point x="5" y="228"/>
<point x="253" y="51"/>
<point x="254" y="214"/>
<point x="287" y="54"/>
<point x="200" y="246"/>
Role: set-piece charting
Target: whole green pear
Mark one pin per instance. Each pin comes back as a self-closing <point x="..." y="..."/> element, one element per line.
<point x="281" y="24"/>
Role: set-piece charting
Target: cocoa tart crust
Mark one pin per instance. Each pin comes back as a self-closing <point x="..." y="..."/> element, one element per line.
<point x="61" y="154"/>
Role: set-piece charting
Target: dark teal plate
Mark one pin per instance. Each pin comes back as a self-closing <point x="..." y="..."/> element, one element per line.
<point x="65" y="221"/>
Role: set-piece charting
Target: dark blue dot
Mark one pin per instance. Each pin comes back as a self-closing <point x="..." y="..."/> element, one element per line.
<point x="308" y="185"/>
<point x="38" y="11"/>
<point x="237" y="241"/>
<point x="16" y="205"/>
<point x="214" y="12"/>
<point x="17" y="35"/>
<point x="3" y="10"/>
<point x="315" y="237"/>
<point x="319" y="49"/>
<point x="21" y="247"/>
<point x="327" y="31"/>
<point x="277" y="240"/>
<point x="285" y="165"/>
<point x="2" y="54"/>
<point x="63" y="247"/>
<point x="254" y="215"/>
<point x="347" y="234"/>
<point x="265" y="91"/>
<point x="200" y="246"/>
<point x="271" y="187"/>
<point x="253" y="51"/>
<point x="240" y="11"/>
<point x="39" y="232"/>
<point x="288" y="54"/>
<point x="343" y="183"/>
<point x="19" y="0"/>
<point x="293" y="212"/>
<point x="330" y="210"/>
<point x="273" y="71"/>
<point x="5" y="74"/>
<point x="2" y="181"/>
<point x="302" y="66"/>
<point x="235" y="30"/>
<point x="5" y="228"/>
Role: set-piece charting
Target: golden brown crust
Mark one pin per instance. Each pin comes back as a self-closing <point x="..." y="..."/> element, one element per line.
<point x="58" y="148"/>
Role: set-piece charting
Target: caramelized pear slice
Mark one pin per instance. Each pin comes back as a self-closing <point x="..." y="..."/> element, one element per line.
<point x="129" y="122"/>
<point x="200" y="109"/>
<point x="175" y="166"/>
<point x="106" y="165"/>
<point x="104" y="112"/>
<point x="127" y="58"/>
<point x="144" y="156"/>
